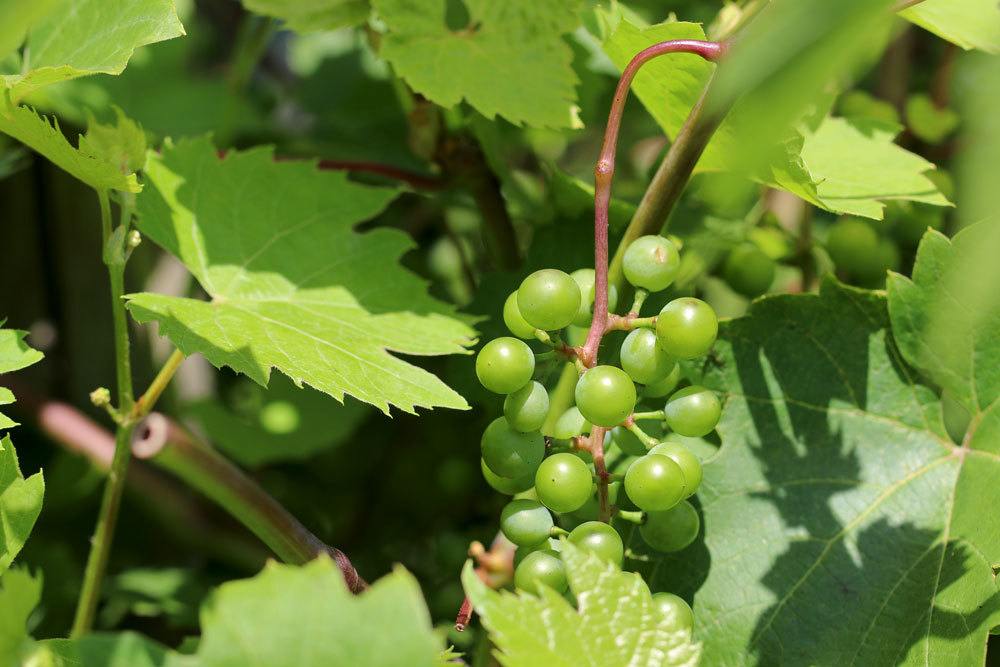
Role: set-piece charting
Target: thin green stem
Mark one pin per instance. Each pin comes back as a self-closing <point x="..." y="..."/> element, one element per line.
<point x="635" y="516"/>
<point x="646" y="439"/>
<point x="640" y="298"/>
<point x="655" y="415"/>
<point x="157" y="386"/>
<point x="100" y="547"/>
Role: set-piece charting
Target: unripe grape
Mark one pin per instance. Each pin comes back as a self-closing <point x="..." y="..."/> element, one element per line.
<point x="585" y="279"/>
<point x="563" y="482"/>
<point x="542" y="567"/>
<point x="570" y="424"/>
<point x="512" y="318"/>
<point x="548" y="544"/>
<point x="643" y="358"/>
<point x="748" y="270"/>
<point x="693" y="411"/>
<point x="663" y="387"/>
<point x="506" y="485"/>
<point x="688" y="462"/>
<point x="605" y="395"/>
<point x="509" y="453"/>
<point x="628" y="442"/>
<point x="548" y="299"/>
<point x="672" y="529"/>
<point x="505" y="365"/>
<point x="687" y="327"/>
<point x="853" y="245"/>
<point x="525" y="522"/>
<point x="655" y="482"/>
<point x="673" y="608"/>
<point x="600" y="539"/>
<point x="651" y="262"/>
<point x="526" y="408"/>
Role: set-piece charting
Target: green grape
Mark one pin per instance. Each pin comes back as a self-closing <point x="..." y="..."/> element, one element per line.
<point x="853" y="245"/>
<point x="512" y="318"/>
<point x="654" y="483"/>
<point x="628" y="442"/>
<point x="687" y="327"/>
<point x="600" y="539"/>
<point x="506" y="485"/>
<point x="672" y="529"/>
<point x="547" y="544"/>
<point x="643" y="358"/>
<point x="585" y="280"/>
<point x="663" y="387"/>
<point x="563" y="483"/>
<point x="771" y="241"/>
<point x="570" y="424"/>
<point x="525" y="522"/>
<point x="748" y="270"/>
<point x="548" y="299"/>
<point x="677" y="612"/>
<point x="605" y="395"/>
<point x="651" y="262"/>
<point x="688" y="462"/>
<point x="527" y="407"/>
<point x="509" y="453"/>
<point x="693" y="411"/>
<point x="505" y="365"/>
<point x="542" y="567"/>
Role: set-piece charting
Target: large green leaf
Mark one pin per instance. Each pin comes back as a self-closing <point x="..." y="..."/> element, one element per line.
<point x="841" y="525"/>
<point x="15" y="354"/>
<point x="946" y="324"/>
<point x="125" y="649"/>
<point x="510" y="60"/>
<point x="81" y="37"/>
<point x="16" y="18"/>
<point x="972" y="24"/>
<point x="616" y="623"/>
<point x="306" y="617"/>
<point x="844" y="166"/>
<point x="292" y="286"/>
<point x="20" y="503"/>
<point x="312" y="15"/>
<point x="19" y="593"/>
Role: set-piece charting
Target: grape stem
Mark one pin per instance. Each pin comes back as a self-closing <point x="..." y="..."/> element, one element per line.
<point x="604" y="174"/>
<point x="597" y="451"/>
<point x="500" y="571"/>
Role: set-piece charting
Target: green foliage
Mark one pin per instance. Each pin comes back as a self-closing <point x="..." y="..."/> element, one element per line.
<point x="15" y="354"/>
<point x="19" y="593"/>
<point x="312" y="15"/>
<point x="77" y="38"/>
<point x="972" y="24"/>
<point x="290" y="281"/>
<point x="867" y="546"/>
<point x="274" y="619"/>
<point x="615" y="622"/>
<point x="20" y="503"/>
<point x="520" y="38"/>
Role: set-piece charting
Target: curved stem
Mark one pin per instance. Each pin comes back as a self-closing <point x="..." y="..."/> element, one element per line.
<point x="604" y="174"/>
<point x="597" y="451"/>
<point x="157" y="386"/>
<point x="107" y="517"/>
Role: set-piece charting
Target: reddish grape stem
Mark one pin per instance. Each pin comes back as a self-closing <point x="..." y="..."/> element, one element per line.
<point x="597" y="451"/>
<point x="604" y="174"/>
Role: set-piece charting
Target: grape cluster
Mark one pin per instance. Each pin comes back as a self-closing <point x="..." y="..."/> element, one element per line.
<point x="558" y="473"/>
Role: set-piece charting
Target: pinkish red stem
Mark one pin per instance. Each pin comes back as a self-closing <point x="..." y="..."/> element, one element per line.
<point x="604" y="174"/>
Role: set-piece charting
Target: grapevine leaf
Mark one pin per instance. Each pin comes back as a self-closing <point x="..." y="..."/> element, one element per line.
<point x="20" y="503"/>
<point x="855" y="166"/>
<point x="19" y="593"/>
<point x="288" y="424"/>
<point x="82" y="37"/>
<point x="946" y="325"/>
<point x="927" y="121"/>
<point x="616" y="623"/>
<point x="125" y="649"/>
<point x="510" y="60"/>
<point x="312" y="15"/>
<point x="298" y="616"/>
<point x="16" y="18"/>
<point x="122" y="144"/>
<point x="14" y="355"/>
<point x="89" y="163"/>
<point x="841" y="526"/>
<point x="291" y="285"/>
<point x="971" y="24"/>
<point x="844" y="166"/>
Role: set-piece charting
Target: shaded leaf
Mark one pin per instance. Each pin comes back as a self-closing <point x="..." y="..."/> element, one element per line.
<point x="510" y="60"/>
<point x="292" y="285"/>
<point x="312" y="15"/>
<point x="971" y="24"/>
<point x="19" y="593"/>
<point x="20" y="503"/>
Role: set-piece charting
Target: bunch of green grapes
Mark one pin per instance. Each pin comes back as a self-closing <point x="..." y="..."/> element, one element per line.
<point x="554" y="475"/>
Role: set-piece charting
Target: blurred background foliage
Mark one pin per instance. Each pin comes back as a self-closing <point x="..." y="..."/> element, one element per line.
<point x="409" y="489"/>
